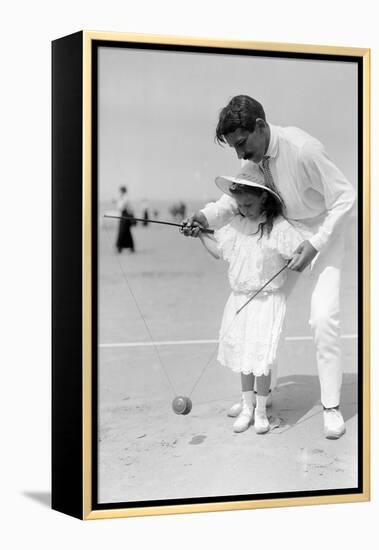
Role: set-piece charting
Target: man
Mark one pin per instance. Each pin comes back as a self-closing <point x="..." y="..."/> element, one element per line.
<point x="315" y="192"/>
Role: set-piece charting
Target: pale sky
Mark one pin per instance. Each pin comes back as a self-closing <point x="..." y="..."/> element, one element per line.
<point x="158" y="112"/>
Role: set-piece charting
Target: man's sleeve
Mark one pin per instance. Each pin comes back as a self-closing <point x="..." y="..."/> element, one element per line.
<point x="321" y="174"/>
<point x="220" y="212"/>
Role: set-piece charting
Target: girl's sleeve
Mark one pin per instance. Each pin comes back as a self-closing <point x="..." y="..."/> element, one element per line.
<point x="225" y="240"/>
<point x="220" y="212"/>
<point x="287" y="237"/>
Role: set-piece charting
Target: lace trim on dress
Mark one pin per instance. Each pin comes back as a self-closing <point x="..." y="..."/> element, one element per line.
<point x="286" y="237"/>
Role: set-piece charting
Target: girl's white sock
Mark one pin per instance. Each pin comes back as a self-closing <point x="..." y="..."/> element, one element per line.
<point x="261" y="404"/>
<point x="248" y="400"/>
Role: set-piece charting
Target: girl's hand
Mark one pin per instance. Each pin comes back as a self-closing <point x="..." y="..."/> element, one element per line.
<point x="303" y="256"/>
<point x="191" y="226"/>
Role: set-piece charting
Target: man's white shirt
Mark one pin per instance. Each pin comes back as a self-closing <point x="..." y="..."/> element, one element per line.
<point x="314" y="190"/>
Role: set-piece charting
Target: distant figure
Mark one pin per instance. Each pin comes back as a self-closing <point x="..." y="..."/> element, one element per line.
<point x="182" y="210"/>
<point x="155" y="213"/>
<point x="145" y="213"/>
<point x="124" y="237"/>
<point x="178" y="211"/>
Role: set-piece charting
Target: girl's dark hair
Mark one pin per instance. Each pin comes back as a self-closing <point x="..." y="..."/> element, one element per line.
<point x="242" y="111"/>
<point x="272" y="206"/>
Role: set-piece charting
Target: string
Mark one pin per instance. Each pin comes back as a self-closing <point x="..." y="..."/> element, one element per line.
<point x="221" y="338"/>
<point x="142" y="316"/>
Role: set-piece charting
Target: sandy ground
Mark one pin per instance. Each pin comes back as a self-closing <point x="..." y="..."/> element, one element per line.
<point x="172" y="291"/>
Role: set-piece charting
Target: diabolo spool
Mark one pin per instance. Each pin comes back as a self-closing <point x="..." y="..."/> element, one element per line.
<point x="181" y="405"/>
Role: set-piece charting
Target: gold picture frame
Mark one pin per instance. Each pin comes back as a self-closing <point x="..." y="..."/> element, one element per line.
<point x="75" y="258"/>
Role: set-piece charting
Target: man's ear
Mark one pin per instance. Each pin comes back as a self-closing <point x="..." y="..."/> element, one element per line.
<point x="260" y="123"/>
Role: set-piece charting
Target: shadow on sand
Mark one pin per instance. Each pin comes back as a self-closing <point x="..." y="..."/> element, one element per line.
<point x="296" y="395"/>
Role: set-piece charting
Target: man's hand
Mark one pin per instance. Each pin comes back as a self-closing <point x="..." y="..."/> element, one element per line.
<point x="303" y="256"/>
<point x="191" y="226"/>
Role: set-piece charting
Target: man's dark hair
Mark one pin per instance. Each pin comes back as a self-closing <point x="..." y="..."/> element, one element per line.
<point x="241" y="112"/>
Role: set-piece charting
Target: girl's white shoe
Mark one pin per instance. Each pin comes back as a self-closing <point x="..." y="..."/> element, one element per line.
<point x="244" y="420"/>
<point x="261" y="423"/>
<point x="236" y="409"/>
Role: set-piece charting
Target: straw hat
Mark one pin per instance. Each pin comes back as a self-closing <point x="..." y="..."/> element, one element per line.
<point x="251" y="178"/>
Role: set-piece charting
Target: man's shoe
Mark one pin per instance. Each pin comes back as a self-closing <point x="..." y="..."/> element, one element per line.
<point x="244" y="420"/>
<point x="236" y="409"/>
<point x="334" y="425"/>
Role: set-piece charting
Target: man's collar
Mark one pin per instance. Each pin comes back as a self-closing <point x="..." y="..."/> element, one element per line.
<point x="273" y="145"/>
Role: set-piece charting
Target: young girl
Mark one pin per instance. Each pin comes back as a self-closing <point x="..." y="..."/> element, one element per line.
<point x="257" y="242"/>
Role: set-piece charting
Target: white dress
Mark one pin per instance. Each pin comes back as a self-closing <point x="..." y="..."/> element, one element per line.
<point x="248" y="341"/>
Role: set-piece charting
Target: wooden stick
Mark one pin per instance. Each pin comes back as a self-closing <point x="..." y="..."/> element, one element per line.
<point x="131" y="219"/>
<point x="264" y="286"/>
